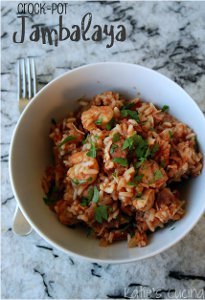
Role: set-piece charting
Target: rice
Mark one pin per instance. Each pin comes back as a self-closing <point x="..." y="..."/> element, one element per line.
<point x="114" y="163"/>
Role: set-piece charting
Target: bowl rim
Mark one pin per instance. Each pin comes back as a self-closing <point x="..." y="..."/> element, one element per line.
<point x="12" y="180"/>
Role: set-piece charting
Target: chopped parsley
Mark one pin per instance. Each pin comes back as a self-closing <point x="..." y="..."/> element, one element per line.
<point x="170" y="134"/>
<point x="110" y="124"/>
<point x="95" y="195"/>
<point x="165" y="108"/>
<point x="142" y="147"/>
<point x="154" y="150"/>
<point x="139" y="163"/>
<point x="90" y="193"/>
<point x="96" y="136"/>
<point x="128" y="105"/>
<point x="85" y="140"/>
<point x="157" y="175"/>
<point x="139" y="195"/>
<point x="77" y="182"/>
<point x="130" y="113"/>
<point x="101" y="213"/>
<point x="116" y="137"/>
<point x="136" y="180"/>
<point x="92" y="152"/>
<point x="52" y="195"/>
<point x="121" y="161"/>
<point x="162" y="163"/>
<point x="142" y="151"/>
<point x="130" y="142"/>
<point x="86" y="200"/>
<point x="112" y="148"/>
<point x="99" y="121"/>
<point x="125" y="227"/>
<point x="114" y="174"/>
<point x="66" y="140"/>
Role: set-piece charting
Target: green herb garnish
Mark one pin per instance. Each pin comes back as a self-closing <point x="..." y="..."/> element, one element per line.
<point x="121" y="161"/>
<point x="96" y="136"/>
<point x="101" y="213"/>
<point x="52" y="195"/>
<point x="66" y="140"/>
<point x="99" y="121"/>
<point x="86" y="200"/>
<point x="140" y="162"/>
<point x="162" y="163"/>
<point x="136" y="180"/>
<point x="154" y="150"/>
<point x="170" y="134"/>
<point x="130" y="113"/>
<point x="90" y="193"/>
<point x="110" y="209"/>
<point x="125" y="227"/>
<point x="110" y="124"/>
<point x="114" y="174"/>
<point x="85" y="140"/>
<point x="130" y="142"/>
<point x="116" y="137"/>
<point x="77" y="182"/>
<point x="165" y="108"/>
<point x="127" y="106"/>
<point x="142" y="147"/>
<point x="95" y="195"/>
<point x="157" y="175"/>
<point x="92" y="152"/>
<point x="112" y="148"/>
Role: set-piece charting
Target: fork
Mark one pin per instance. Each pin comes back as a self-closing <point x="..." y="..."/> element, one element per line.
<point x="27" y="88"/>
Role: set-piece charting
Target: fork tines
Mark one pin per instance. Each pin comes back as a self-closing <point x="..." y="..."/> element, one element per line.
<point x="27" y="84"/>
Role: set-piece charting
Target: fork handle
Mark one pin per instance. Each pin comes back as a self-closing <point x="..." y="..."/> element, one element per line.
<point x="20" y="224"/>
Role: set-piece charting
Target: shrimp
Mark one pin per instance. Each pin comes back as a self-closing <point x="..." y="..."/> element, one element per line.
<point x="96" y="116"/>
<point x="84" y="170"/>
<point x="153" y="175"/>
<point x="146" y="201"/>
<point x="168" y="205"/>
<point x="151" y="220"/>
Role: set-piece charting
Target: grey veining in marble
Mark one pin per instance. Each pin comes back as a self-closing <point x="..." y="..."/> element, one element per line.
<point x="166" y="36"/>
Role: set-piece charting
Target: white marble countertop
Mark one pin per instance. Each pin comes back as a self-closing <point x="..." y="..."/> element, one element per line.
<point x="166" y="36"/>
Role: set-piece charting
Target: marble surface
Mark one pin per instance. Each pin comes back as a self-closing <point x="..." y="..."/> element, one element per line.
<point x="166" y="36"/>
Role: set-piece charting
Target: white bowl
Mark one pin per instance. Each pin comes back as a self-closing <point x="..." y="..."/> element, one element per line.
<point x="30" y="153"/>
